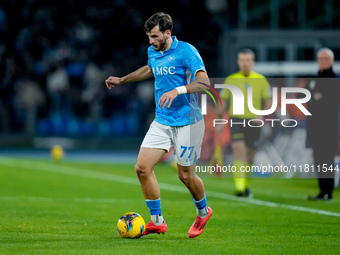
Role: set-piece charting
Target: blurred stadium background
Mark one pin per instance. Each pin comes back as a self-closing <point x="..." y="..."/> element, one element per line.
<point x="55" y="56"/>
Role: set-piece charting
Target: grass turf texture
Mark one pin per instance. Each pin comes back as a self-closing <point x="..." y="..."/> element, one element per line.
<point x="53" y="208"/>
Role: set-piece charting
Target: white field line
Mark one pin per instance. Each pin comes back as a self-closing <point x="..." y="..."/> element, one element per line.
<point x="66" y="200"/>
<point x="27" y="164"/>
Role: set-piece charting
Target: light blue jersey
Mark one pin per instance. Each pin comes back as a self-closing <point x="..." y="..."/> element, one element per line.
<point x="173" y="68"/>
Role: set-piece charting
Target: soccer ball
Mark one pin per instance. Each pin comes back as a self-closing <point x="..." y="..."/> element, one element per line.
<point x="131" y="225"/>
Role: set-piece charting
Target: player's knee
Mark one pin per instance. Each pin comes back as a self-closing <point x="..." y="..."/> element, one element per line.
<point x="184" y="177"/>
<point x="141" y="169"/>
<point x="239" y="150"/>
<point x="250" y="157"/>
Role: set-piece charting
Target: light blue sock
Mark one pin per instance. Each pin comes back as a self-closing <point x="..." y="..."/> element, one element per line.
<point x="155" y="211"/>
<point x="202" y="209"/>
<point x="154" y="206"/>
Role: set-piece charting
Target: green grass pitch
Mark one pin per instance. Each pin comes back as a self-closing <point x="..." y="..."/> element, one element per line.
<point x="68" y="207"/>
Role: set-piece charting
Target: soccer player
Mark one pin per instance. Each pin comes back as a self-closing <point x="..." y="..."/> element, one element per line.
<point x="244" y="138"/>
<point x="178" y="68"/>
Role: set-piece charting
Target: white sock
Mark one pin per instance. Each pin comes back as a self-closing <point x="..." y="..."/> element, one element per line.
<point x="203" y="212"/>
<point x="157" y="219"/>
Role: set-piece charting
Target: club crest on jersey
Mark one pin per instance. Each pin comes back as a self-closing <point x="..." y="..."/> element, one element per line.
<point x="164" y="70"/>
<point x="171" y="58"/>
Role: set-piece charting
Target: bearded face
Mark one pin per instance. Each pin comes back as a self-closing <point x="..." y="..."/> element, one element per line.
<point x="158" y="39"/>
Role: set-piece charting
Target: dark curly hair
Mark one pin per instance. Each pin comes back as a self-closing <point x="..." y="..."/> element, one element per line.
<point x="160" y="18"/>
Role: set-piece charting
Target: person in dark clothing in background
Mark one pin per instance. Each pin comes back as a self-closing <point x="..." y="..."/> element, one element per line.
<point x="323" y="124"/>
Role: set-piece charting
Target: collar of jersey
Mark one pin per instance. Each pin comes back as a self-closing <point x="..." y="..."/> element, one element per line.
<point x="250" y="74"/>
<point x="173" y="45"/>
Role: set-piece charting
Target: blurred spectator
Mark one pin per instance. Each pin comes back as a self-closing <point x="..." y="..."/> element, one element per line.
<point x="57" y="84"/>
<point x="29" y="97"/>
<point x="91" y="95"/>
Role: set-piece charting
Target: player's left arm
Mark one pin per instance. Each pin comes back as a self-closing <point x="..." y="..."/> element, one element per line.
<point x="193" y="87"/>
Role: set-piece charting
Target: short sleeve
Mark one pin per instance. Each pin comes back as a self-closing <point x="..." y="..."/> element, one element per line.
<point x="193" y="60"/>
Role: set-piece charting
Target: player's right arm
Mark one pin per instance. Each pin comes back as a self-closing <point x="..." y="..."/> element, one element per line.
<point x="142" y="73"/>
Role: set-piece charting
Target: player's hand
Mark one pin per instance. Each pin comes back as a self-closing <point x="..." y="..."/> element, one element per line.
<point x="111" y="82"/>
<point x="166" y="98"/>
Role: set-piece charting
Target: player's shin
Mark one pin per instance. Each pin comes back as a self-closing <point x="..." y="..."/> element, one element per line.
<point x="239" y="176"/>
